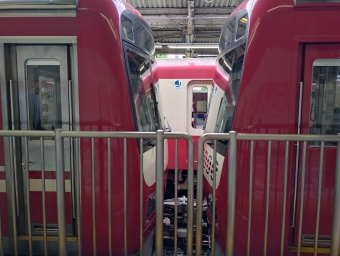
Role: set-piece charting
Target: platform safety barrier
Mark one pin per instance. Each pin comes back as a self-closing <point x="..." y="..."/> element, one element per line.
<point x="232" y="137"/>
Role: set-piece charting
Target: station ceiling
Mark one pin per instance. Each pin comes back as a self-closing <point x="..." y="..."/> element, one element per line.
<point x="178" y="22"/>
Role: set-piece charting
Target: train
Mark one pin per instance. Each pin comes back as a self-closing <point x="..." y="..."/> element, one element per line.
<point x="277" y="73"/>
<point x="185" y="86"/>
<point x="77" y="66"/>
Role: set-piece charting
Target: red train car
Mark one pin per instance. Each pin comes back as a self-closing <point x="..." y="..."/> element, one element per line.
<point x="279" y="67"/>
<point x="84" y="66"/>
<point x="185" y="87"/>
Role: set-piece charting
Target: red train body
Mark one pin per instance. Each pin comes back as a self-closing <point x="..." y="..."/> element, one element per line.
<point x="268" y="49"/>
<point x="105" y="49"/>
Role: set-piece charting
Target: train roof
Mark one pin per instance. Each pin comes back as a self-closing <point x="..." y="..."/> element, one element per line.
<point x="186" y="68"/>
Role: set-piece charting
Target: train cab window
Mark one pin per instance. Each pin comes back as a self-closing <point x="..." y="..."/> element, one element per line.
<point x="144" y="38"/>
<point x="199" y="106"/>
<point x="227" y="106"/>
<point x="242" y="25"/>
<point x="127" y="28"/>
<point x="43" y="83"/>
<point x="227" y="36"/>
<point x="324" y="117"/>
<point x="140" y="87"/>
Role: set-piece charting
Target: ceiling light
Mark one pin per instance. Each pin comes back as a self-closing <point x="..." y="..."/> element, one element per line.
<point x="196" y="46"/>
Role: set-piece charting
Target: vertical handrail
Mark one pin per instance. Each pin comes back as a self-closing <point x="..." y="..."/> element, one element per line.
<point x="159" y="191"/>
<point x="335" y="239"/>
<point x="141" y="206"/>
<point x="232" y="160"/>
<point x="15" y="169"/>
<point x="213" y="228"/>
<point x="284" y="199"/>
<point x="109" y="203"/>
<point x="176" y="197"/>
<point x="28" y="191"/>
<point x="59" y="144"/>
<point x="93" y="178"/>
<point x="319" y="199"/>
<point x="251" y="168"/>
<point x="14" y="217"/>
<point x="199" y="196"/>
<point x="267" y="198"/>
<point x="125" y="197"/>
<point x="190" y="217"/>
<point x="43" y="192"/>
<point x="78" y="186"/>
<point x="302" y="196"/>
<point x="297" y="155"/>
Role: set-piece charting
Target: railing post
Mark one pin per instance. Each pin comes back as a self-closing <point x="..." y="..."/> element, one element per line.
<point x="199" y="196"/>
<point x="190" y="228"/>
<point x="159" y="191"/>
<point x="335" y="239"/>
<point x="232" y="160"/>
<point x="59" y="156"/>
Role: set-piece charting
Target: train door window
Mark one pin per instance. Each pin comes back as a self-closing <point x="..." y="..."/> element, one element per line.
<point x="140" y="87"/>
<point x="127" y="28"/>
<point x="325" y="98"/>
<point x="199" y="106"/>
<point x="242" y="25"/>
<point x="43" y="79"/>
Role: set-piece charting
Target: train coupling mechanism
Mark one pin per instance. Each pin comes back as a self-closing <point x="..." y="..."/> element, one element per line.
<point x="169" y="228"/>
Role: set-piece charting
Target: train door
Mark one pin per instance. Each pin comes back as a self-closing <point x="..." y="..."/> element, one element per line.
<point x="320" y="116"/>
<point x="39" y="99"/>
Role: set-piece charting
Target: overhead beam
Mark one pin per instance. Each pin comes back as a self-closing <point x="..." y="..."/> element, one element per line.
<point x="184" y="11"/>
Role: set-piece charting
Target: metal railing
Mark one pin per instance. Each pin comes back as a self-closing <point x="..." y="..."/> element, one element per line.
<point x="233" y="139"/>
<point x="59" y="137"/>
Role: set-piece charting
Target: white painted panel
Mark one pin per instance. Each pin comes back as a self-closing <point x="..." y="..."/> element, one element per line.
<point x="50" y="185"/>
<point x="3" y="186"/>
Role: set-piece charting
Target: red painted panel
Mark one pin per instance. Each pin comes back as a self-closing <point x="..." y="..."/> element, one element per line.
<point x="185" y="71"/>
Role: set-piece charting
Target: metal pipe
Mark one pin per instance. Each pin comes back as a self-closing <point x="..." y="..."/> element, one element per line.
<point x="14" y="218"/>
<point x="93" y="197"/>
<point x="42" y="157"/>
<point x="141" y="215"/>
<point x="319" y="200"/>
<point x="159" y="192"/>
<point x="190" y="218"/>
<point x="176" y="197"/>
<point x="14" y="147"/>
<point x="59" y="144"/>
<point x="214" y="202"/>
<point x="199" y="195"/>
<point x="29" y="224"/>
<point x="78" y="186"/>
<point x="336" y="210"/>
<point x="302" y="195"/>
<point x="125" y="197"/>
<point x="1" y="247"/>
<point x="109" y="203"/>
<point x="267" y="198"/>
<point x="284" y="199"/>
<point x="71" y="148"/>
<point x="297" y="154"/>
<point x="232" y="161"/>
<point x="251" y="168"/>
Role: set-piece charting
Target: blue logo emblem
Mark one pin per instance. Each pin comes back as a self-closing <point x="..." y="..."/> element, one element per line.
<point x="178" y="84"/>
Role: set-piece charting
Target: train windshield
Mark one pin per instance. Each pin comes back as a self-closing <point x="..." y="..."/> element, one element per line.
<point x="228" y="102"/>
<point x="141" y="87"/>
